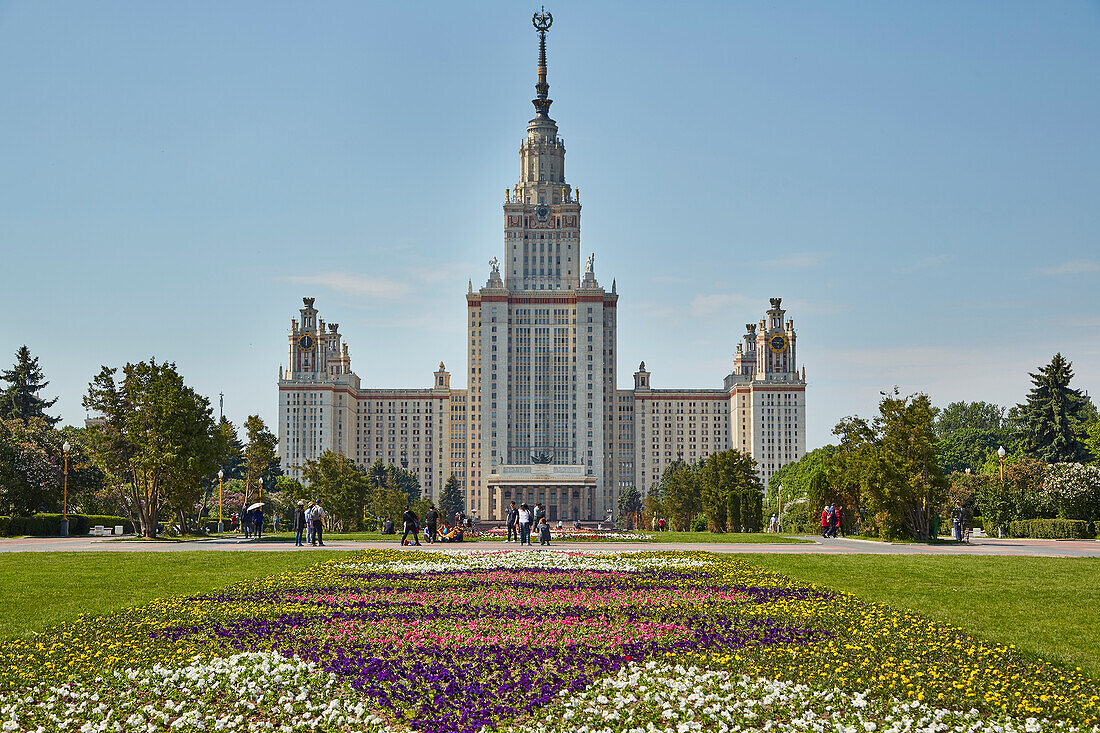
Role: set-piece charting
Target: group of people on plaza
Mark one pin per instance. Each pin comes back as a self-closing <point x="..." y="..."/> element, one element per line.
<point x="522" y="518"/>
<point x="309" y="520"/>
<point x="432" y="526"/>
<point x="831" y="517"/>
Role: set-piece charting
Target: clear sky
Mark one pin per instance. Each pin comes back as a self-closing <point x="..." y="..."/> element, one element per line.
<point x="919" y="182"/>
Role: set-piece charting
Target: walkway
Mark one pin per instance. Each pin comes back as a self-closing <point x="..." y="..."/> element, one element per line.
<point x="981" y="546"/>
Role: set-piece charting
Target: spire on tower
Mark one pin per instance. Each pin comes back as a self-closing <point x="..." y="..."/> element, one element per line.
<point x="542" y="21"/>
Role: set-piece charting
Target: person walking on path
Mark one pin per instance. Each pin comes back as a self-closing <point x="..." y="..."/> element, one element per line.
<point x="431" y="519"/>
<point x="839" y="522"/>
<point x="299" y="522"/>
<point x="411" y="525"/>
<point x="825" y="521"/>
<point x="544" y="532"/>
<point x="513" y="520"/>
<point x="524" y="525"/>
<point x="246" y="523"/>
<point x="834" y="520"/>
<point x="275" y="522"/>
<point x="258" y="520"/>
<point x="316" y="520"/>
<point x="958" y="516"/>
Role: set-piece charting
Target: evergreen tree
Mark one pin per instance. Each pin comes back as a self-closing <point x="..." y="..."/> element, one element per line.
<point x="260" y="458"/>
<point x="630" y="507"/>
<point x="1053" y="416"/>
<point x="450" y="500"/>
<point x="25" y="380"/>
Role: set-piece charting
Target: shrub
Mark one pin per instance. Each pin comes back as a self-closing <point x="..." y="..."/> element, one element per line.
<point x="5" y="524"/>
<point x="699" y="524"/>
<point x="1052" y="529"/>
<point x="49" y="525"/>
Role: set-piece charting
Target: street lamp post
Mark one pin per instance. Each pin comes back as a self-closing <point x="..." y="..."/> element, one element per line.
<point x="221" y="519"/>
<point x="65" y="495"/>
<point x="1001" y="455"/>
<point x="779" y="514"/>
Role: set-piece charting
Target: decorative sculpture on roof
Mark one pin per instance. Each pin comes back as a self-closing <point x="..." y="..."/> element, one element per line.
<point x="308" y="302"/>
<point x="588" y="266"/>
<point x="541" y="457"/>
<point x="494" y="265"/>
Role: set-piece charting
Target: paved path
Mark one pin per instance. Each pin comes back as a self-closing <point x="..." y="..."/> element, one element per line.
<point x="982" y="546"/>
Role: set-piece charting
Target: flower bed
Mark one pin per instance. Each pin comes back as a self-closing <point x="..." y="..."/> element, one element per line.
<point x="568" y="534"/>
<point x="539" y="641"/>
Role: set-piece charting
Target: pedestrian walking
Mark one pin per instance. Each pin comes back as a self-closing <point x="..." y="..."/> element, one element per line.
<point x="299" y="522"/>
<point x="524" y="524"/>
<point x="431" y="519"/>
<point x="825" y="521"/>
<point x="258" y="522"/>
<point x="317" y="519"/>
<point x="834" y="520"/>
<point x="958" y="516"/>
<point x="246" y="523"/>
<point x="275" y="522"/>
<point x="411" y="525"/>
<point x="513" y="520"/>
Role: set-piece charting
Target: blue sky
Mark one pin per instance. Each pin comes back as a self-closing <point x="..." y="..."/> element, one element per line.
<point x="918" y="181"/>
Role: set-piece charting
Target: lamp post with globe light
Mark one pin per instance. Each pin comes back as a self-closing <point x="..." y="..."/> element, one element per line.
<point x="221" y="520"/>
<point x="1001" y="455"/>
<point x="65" y="495"/>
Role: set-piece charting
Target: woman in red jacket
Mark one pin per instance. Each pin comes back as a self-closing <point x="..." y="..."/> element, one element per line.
<point x="825" y="522"/>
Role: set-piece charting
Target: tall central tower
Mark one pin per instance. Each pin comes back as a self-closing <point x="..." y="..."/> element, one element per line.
<point x="541" y="214"/>
<point x="542" y="344"/>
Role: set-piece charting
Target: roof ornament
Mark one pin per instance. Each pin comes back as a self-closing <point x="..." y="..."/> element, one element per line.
<point x="542" y="21"/>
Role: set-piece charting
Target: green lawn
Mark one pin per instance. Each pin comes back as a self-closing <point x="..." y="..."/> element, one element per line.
<point x="43" y="588"/>
<point x="1044" y="605"/>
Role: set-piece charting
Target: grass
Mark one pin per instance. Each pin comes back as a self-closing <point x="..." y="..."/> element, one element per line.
<point x="43" y="588"/>
<point x="1045" y="606"/>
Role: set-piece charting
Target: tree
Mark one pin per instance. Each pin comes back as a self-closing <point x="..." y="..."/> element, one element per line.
<point x="156" y="440"/>
<point x="1053" y="416"/>
<point x="260" y="459"/>
<point x="680" y="489"/>
<point x="795" y="477"/>
<point x="342" y="488"/>
<point x="968" y="447"/>
<point x="25" y="380"/>
<point x="1018" y="497"/>
<point x="969" y="416"/>
<point x="630" y="508"/>
<point x="891" y="464"/>
<point x="730" y="492"/>
<point x="450" y="499"/>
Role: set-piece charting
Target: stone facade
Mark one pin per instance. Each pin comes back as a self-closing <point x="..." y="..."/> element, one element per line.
<point x="541" y="419"/>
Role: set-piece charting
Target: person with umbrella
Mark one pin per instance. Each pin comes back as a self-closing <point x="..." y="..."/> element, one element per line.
<point x="254" y="519"/>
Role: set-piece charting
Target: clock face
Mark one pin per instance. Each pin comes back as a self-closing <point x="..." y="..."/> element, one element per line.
<point x="542" y="211"/>
<point x="777" y="342"/>
<point x="305" y="342"/>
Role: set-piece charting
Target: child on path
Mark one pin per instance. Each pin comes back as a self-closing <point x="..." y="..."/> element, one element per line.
<point x="544" y="532"/>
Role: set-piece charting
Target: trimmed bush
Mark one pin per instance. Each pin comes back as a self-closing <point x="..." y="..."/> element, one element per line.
<point x="49" y="525"/>
<point x="5" y="523"/>
<point x="1051" y="529"/>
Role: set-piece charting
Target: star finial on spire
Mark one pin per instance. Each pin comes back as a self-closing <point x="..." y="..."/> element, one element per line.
<point x="542" y="21"/>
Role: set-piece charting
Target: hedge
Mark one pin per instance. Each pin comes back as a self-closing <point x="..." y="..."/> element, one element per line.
<point x="49" y="525"/>
<point x="1052" y="529"/>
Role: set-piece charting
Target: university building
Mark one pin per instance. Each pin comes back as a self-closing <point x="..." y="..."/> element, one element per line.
<point x="541" y="418"/>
